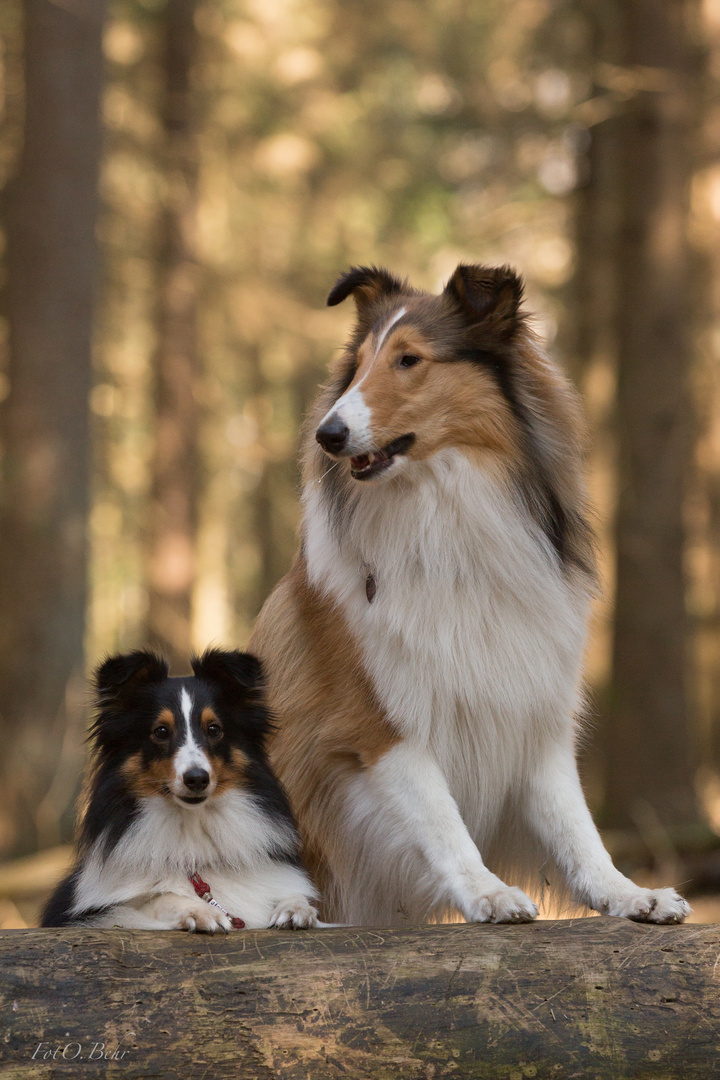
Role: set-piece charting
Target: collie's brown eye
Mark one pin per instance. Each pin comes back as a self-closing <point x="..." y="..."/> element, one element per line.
<point x="161" y="733"/>
<point x="409" y="360"/>
<point x="214" y="732"/>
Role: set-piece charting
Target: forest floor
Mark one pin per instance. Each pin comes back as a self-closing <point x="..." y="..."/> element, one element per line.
<point x="26" y="883"/>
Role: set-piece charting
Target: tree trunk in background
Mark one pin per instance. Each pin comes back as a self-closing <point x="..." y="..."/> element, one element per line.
<point x="593" y="295"/>
<point x="52" y="269"/>
<point x="706" y="607"/>
<point x="171" y="566"/>
<point x="650" y="756"/>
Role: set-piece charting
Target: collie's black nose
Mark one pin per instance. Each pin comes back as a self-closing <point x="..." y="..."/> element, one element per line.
<point x="333" y="435"/>
<point x="196" y="779"/>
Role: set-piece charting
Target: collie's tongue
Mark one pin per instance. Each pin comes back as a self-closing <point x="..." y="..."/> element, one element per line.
<point x="364" y="461"/>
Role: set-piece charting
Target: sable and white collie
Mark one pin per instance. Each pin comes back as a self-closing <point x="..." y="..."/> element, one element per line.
<point x="423" y="656"/>
<point x="186" y="827"/>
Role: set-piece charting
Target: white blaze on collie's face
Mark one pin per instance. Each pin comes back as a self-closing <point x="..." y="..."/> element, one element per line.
<point x="352" y="409"/>
<point x="411" y="396"/>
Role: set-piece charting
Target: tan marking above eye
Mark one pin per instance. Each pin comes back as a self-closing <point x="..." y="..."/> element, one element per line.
<point x="165" y="719"/>
<point x="208" y="717"/>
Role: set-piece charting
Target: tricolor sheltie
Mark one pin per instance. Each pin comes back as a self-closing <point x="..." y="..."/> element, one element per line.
<point x="424" y="654"/>
<point x="186" y="826"/>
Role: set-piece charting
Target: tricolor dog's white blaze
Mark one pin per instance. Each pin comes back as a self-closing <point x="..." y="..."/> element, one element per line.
<point x="351" y="407"/>
<point x="190" y="755"/>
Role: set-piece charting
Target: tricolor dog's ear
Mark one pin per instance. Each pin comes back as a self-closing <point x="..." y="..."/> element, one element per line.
<point x="367" y="284"/>
<point x="231" y="670"/>
<point x="121" y="675"/>
<point x="486" y="295"/>
<point x="238" y="680"/>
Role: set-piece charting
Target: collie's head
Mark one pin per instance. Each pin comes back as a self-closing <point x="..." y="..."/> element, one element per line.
<point x="186" y="740"/>
<point x="460" y="371"/>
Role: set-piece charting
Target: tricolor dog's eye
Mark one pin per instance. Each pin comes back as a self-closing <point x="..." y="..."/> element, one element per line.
<point x="214" y="732"/>
<point x="161" y="733"/>
<point x="409" y="360"/>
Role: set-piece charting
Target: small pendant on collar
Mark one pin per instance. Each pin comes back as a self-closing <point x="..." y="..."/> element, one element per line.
<point x="370" y="588"/>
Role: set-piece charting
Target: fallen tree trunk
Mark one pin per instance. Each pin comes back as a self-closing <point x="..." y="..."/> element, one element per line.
<point x="591" y="998"/>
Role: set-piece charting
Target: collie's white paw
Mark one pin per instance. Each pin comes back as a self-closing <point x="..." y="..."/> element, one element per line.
<point x="651" y="905"/>
<point x="296" y="912"/>
<point x="201" y="918"/>
<point x="503" y="904"/>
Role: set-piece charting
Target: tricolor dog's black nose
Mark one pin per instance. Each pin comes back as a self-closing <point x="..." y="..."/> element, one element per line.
<point x="196" y="779"/>
<point x="333" y="435"/>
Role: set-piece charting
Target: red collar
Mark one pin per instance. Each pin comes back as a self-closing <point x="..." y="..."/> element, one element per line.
<point x="203" y="890"/>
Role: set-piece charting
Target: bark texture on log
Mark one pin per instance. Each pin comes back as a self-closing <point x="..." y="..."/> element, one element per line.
<point x="592" y="998"/>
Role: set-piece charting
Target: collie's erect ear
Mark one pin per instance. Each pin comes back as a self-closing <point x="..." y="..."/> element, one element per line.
<point x="231" y="670"/>
<point x="366" y="283"/>
<point x="120" y="674"/>
<point x="488" y="295"/>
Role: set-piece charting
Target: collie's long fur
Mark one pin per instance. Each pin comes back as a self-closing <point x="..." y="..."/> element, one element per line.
<point x="181" y="786"/>
<point x="424" y="653"/>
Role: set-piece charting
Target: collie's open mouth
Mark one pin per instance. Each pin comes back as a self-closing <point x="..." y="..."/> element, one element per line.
<point x="192" y="800"/>
<point x="365" y="466"/>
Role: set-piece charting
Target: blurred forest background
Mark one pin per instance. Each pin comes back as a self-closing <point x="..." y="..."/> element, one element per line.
<point x="181" y="181"/>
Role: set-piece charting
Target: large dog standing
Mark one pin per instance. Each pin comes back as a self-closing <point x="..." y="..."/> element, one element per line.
<point x="424" y="653"/>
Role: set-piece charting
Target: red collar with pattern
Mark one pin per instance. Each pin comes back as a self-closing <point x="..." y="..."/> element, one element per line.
<point x="203" y="890"/>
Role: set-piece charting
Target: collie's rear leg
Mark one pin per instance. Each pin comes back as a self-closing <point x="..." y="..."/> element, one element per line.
<point x="403" y="803"/>
<point x="557" y="812"/>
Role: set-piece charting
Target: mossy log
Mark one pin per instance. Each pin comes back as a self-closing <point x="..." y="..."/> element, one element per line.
<point x="591" y="998"/>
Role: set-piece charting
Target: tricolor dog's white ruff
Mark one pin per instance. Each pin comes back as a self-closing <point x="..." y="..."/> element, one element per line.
<point x="427" y="725"/>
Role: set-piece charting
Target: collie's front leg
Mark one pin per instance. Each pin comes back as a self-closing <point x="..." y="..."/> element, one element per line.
<point x="558" y="814"/>
<point x="408" y="797"/>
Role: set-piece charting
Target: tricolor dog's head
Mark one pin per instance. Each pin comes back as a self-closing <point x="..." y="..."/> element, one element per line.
<point x="424" y="372"/>
<point x="186" y="739"/>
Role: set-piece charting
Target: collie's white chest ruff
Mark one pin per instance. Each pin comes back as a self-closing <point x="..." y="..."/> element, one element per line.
<point x="474" y="637"/>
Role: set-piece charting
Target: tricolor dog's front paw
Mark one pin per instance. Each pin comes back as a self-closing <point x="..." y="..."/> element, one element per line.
<point x="296" y="912"/>
<point x="502" y="904"/>
<point x="650" y="905"/>
<point x="201" y="918"/>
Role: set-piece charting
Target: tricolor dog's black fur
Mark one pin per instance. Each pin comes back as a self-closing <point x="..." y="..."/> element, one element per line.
<point x="180" y="785"/>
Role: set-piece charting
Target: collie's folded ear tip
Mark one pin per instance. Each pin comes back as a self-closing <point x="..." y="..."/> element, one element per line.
<point x="130" y="669"/>
<point x="339" y="291"/>
<point x="349" y="281"/>
<point x="366" y="283"/>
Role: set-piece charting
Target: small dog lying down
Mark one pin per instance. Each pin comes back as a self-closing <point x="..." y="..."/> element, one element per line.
<point x="185" y="826"/>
